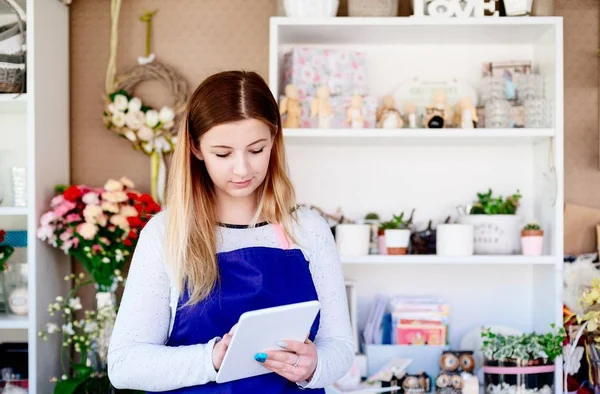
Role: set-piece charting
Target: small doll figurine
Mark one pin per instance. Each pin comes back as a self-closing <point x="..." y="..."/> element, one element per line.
<point x="320" y="106"/>
<point x="291" y="106"/>
<point x="411" y="115"/>
<point x="438" y="113"/>
<point x="388" y="117"/>
<point x="354" y="115"/>
<point x="468" y="114"/>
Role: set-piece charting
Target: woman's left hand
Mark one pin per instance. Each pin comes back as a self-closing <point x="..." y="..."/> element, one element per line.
<point x="297" y="362"/>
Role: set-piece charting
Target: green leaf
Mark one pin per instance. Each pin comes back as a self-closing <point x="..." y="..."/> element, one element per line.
<point x="70" y="385"/>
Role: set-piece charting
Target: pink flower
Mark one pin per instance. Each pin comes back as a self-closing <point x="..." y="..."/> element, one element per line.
<point x="87" y="230"/>
<point x="73" y="217"/>
<point x="45" y="232"/>
<point x="47" y="218"/>
<point x="75" y="242"/>
<point x="96" y="248"/>
<point x="91" y="198"/>
<point x="105" y="240"/>
<point x="66" y="235"/>
<point x="63" y="208"/>
<point x="57" y="200"/>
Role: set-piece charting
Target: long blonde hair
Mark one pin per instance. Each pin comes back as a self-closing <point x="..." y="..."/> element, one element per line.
<point x="190" y="239"/>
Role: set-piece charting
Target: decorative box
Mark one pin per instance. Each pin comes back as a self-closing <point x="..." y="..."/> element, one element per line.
<point x="308" y="68"/>
<point x="339" y="107"/>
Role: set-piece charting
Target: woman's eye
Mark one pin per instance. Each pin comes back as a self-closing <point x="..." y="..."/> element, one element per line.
<point x="256" y="152"/>
<point x="222" y="155"/>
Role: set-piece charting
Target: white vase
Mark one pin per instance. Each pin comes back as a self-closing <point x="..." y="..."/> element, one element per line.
<point x="454" y="239"/>
<point x="353" y="239"/>
<point x="397" y="241"/>
<point x="495" y="234"/>
<point x="311" y="8"/>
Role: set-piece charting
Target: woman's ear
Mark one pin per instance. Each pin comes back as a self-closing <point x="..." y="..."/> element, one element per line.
<point x="196" y="152"/>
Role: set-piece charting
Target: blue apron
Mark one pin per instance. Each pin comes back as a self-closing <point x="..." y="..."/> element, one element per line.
<point x="250" y="278"/>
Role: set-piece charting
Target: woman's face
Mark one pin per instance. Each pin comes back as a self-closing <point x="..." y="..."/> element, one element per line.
<point x="236" y="156"/>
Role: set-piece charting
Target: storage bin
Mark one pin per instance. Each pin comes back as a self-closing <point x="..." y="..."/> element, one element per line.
<point x="425" y="358"/>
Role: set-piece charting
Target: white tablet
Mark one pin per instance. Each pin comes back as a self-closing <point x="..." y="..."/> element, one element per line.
<point x="260" y="330"/>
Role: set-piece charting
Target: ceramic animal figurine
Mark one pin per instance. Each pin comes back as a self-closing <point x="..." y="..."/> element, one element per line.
<point x="410" y="112"/>
<point x="290" y="106"/>
<point x="456" y="369"/>
<point x="437" y="114"/>
<point x="320" y="107"/>
<point x="354" y="116"/>
<point x="388" y="117"/>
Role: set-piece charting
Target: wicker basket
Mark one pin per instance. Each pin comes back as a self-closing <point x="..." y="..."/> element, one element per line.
<point x="13" y="53"/>
<point x="373" y="7"/>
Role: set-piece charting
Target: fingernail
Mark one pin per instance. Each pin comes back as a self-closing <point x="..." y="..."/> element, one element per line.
<point x="282" y="344"/>
<point x="261" y="357"/>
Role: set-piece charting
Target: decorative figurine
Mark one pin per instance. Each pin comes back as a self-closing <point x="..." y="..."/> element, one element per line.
<point x="437" y="114"/>
<point x="320" y="106"/>
<point x="388" y="117"/>
<point x="465" y="114"/>
<point x="411" y="115"/>
<point x="456" y="369"/>
<point x="354" y="116"/>
<point x="291" y="106"/>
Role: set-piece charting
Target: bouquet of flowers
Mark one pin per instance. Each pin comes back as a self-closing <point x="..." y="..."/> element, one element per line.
<point x="5" y="251"/>
<point x="98" y="226"/>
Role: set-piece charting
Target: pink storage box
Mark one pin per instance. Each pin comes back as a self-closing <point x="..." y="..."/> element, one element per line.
<point x="308" y="68"/>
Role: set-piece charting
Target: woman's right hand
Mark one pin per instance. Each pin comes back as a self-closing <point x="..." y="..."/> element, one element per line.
<point x="220" y="349"/>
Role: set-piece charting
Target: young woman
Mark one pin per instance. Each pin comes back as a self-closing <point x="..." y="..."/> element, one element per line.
<point x="230" y="240"/>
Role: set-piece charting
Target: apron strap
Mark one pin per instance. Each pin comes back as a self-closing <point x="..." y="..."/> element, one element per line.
<point x="283" y="239"/>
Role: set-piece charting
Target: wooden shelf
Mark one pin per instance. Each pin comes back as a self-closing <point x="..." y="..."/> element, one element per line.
<point x="451" y="260"/>
<point x="14" y="322"/>
<point x="420" y="136"/>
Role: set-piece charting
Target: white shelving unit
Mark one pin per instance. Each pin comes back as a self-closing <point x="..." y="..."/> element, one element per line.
<point x="433" y="171"/>
<point x="34" y="130"/>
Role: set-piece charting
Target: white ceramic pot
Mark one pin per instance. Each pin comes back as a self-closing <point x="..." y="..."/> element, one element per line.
<point x="495" y="234"/>
<point x="453" y="239"/>
<point x="397" y="241"/>
<point x="353" y="239"/>
<point x="311" y="8"/>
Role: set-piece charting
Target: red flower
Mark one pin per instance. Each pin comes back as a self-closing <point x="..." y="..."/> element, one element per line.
<point x="72" y="193"/>
<point x="153" y="208"/>
<point x="2" y="234"/>
<point x="134" y="221"/>
<point x="132" y="196"/>
<point x="127" y="242"/>
<point x="132" y="234"/>
<point x="147" y="199"/>
<point x="139" y="207"/>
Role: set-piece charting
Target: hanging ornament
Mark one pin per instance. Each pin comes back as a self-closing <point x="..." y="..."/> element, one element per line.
<point x="150" y="130"/>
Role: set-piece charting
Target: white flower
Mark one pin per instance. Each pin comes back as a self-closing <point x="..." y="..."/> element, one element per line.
<point x="152" y="118"/>
<point x="118" y="119"/>
<point x="145" y="134"/>
<point x="128" y="211"/>
<point x="91" y="198"/>
<point x="112" y="108"/>
<point x="162" y="144"/>
<point x="47" y="218"/>
<point x="119" y="257"/>
<point x="120" y="220"/>
<point x="59" y="299"/>
<point x="113" y="186"/>
<point x="115" y="196"/>
<point x="90" y="212"/>
<point x="169" y="125"/>
<point x="166" y="115"/>
<point x="75" y="304"/>
<point x="87" y="230"/>
<point x="135" y="105"/>
<point x="121" y="102"/>
<point x="105" y="260"/>
<point x="130" y="135"/>
<point x="110" y="207"/>
<point x="68" y="328"/>
<point x="57" y="200"/>
<point x="90" y="326"/>
<point x="127" y="182"/>
<point x="134" y="120"/>
<point x="52" y="328"/>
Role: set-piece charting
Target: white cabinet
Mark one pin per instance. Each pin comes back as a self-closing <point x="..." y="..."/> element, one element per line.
<point x="34" y="134"/>
<point x="434" y="170"/>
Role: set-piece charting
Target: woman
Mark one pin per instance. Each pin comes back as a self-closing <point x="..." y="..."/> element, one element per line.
<point x="231" y="240"/>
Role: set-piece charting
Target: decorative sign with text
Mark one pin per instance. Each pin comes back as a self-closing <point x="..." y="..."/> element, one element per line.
<point x="454" y="8"/>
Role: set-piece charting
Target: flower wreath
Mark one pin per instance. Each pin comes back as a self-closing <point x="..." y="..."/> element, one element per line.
<point x="149" y="130"/>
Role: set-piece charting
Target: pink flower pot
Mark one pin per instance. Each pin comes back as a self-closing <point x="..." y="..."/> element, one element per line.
<point x="532" y="245"/>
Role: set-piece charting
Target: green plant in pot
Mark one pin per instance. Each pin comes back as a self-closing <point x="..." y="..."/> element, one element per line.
<point x="496" y="225"/>
<point x="397" y="234"/>
<point x="521" y="363"/>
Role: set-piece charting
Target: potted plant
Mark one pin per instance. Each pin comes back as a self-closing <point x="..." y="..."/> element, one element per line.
<point x="495" y="223"/>
<point x="521" y="363"/>
<point x="532" y="239"/>
<point x="397" y="234"/>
